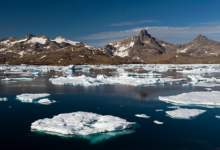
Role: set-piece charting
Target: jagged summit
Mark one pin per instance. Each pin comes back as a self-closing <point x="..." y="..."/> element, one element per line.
<point x="28" y="36"/>
<point x="59" y="37"/>
<point x="201" y="37"/>
<point x="144" y="35"/>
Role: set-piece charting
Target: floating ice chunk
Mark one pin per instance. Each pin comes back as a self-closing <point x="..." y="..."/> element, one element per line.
<point x="30" y="97"/>
<point x="81" y="123"/>
<point x="197" y="78"/>
<point x="217" y="116"/>
<point x="175" y="107"/>
<point x="86" y="69"/>
<point x="184" y="113"/>
<point x="209" y="89"/>
<point x="45" y="101"/>
<point x="141" y="74"/>
<point x="102" y="79"/>
<point x="194" y="98"/>
<point x="158" y="122"/>
<point x="159" y="110"/>
<point x="206" y="84"/>
<point x="199" y="71"/>
<point x="142" y="116"/>
<point x="4" y="99"/>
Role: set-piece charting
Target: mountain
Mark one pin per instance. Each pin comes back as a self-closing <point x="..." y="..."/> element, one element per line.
<point x="40" y="50"/>
<point x="144" y="46"/>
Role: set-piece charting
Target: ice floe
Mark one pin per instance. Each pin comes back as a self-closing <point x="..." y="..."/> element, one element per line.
<point x="184" y="113"/>
<point x="217" y="116"/>
<point x="159" y="110"/>
<point x="142" y="116"/>
<point x="4" y="99"/>
<point x="46" y="101"/>
<point x="81" y="123"/>
<point x="158" y="122"/>
<point x="102" y="79"/>
<point x="194" y="98"/>
<point x="30" y="97"/>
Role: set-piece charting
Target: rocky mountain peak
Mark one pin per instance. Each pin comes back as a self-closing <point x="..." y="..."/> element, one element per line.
<point x="200" y="37"/>
<point x="59" y="37"/>
<point x="28" y="36"/>
<point x="144" y="35"/>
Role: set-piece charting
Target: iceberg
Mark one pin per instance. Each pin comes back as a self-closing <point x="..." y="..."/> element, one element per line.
<point x="30" y="97"/>
<point x="194" y="98"/>
<point x="158" y="122"/>
<point x="81" y="123"/>
<point x="4" y="99"/>
<point x="46" y="101"/>
<point x="184" y="113"/>
<point x="142" y="116"/>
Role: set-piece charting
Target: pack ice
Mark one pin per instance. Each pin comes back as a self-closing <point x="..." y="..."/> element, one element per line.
<point x="30" y="97"/>
<point x="184" y="113"/>
<point x="81" y="123"/>
<point x="102" y="79"/>
<point x="194" y="98"/>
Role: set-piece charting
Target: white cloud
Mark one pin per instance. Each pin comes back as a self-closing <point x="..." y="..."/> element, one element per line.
<point x="176" y="35"/>
<point x="210" y="23"/>
<point x="132" y="23"/>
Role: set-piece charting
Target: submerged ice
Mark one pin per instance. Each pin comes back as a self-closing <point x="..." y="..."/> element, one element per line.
<point x="81" y="123"/>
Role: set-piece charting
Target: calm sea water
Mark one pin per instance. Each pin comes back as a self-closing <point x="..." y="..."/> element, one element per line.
<point x="117" y="100"/>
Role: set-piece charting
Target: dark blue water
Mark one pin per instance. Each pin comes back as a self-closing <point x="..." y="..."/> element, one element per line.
<point x="200" y="133"/>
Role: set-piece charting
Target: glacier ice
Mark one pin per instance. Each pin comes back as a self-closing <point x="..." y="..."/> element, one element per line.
<point x="184" y="113"/>
<point x="194" y="98"/>
<point x="30" y="97"/>
<point x="81" y="123"/>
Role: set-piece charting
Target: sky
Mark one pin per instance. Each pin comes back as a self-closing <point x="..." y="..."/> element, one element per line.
<point x="99" y="22"/>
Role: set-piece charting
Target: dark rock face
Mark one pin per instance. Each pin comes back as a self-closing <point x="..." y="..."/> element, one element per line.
<point x="144" y="35"/>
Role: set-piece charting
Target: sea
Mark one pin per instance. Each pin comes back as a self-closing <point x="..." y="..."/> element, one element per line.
<point x="198" y="133"/>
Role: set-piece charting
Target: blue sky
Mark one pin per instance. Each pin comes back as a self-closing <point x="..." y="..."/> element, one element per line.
<point x="99" y="22"/>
